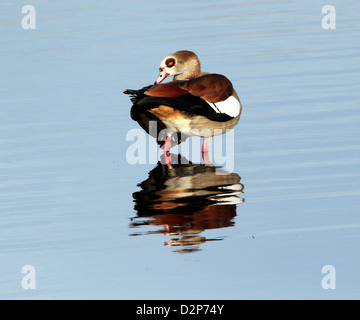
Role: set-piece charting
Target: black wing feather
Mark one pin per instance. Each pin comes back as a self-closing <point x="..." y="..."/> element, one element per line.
<point x="187" y="103"/>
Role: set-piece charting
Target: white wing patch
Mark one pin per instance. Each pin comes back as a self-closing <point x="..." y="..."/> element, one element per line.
<point x="230" y="106"/>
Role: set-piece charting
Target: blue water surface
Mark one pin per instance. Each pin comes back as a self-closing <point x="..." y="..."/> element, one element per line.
<point x="67" y="189"/>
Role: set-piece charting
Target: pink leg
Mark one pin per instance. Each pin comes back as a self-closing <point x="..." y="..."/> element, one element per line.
<point x="168" y="159"/>
<point x="167" y="144"/>
<point x="205" y="157"/>
<point x="205" y="150"/>
<point x="205" y="146"/>
<point x="167" y="155"/>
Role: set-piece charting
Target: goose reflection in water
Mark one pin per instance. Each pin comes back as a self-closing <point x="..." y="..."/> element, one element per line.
<point x="187" y="199"/>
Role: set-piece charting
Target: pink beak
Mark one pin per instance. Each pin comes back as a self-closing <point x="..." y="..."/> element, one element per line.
<point x="162" y="75"/>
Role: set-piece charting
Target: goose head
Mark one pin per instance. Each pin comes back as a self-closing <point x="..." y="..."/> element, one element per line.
<point x="181" y="64"/>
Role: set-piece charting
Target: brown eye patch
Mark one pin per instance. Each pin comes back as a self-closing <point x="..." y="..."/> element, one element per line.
<point x="170" y="62"/>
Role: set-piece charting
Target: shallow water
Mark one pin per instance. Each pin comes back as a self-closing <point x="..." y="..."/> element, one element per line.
<point x="94" y="225"/>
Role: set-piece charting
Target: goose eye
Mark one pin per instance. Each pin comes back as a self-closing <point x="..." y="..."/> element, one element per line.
<point x="170" y="62"/>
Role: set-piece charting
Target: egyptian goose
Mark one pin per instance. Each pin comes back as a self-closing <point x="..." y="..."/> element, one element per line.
<point x="195" y="103"/>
